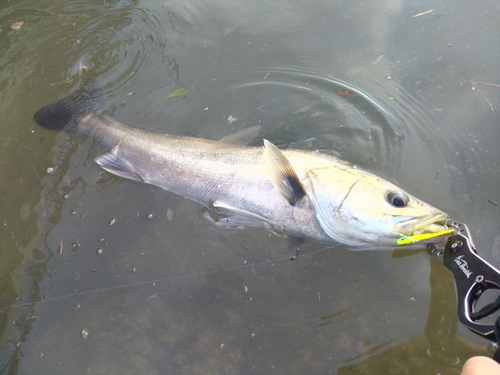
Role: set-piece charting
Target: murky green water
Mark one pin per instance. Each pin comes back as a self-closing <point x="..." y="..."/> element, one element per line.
<point x="171" y="293"/>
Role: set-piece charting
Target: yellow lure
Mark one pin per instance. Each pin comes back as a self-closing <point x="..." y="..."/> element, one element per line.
<point x="407" y="240"/>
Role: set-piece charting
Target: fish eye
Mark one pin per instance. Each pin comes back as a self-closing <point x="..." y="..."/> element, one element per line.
<point x="397" y="199"/>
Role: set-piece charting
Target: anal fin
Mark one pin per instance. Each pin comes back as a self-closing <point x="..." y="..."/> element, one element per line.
<point x="112" y="163"/>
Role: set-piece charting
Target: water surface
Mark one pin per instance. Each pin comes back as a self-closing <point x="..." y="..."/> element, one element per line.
<point x="162" y="290"/>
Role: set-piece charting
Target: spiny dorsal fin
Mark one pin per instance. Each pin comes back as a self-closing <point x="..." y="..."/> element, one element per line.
<point x="283" y="176"/>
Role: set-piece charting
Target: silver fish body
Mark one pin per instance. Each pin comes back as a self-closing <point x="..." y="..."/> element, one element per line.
<point x="295" y="192"/>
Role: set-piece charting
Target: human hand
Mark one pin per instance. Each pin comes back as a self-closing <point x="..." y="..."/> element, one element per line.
<point x="480" y="366"/>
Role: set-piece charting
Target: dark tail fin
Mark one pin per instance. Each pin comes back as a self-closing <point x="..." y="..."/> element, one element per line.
<point x="64" y="114"/>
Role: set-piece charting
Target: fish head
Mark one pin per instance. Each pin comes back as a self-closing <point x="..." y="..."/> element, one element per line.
<point x="358" y="208"/>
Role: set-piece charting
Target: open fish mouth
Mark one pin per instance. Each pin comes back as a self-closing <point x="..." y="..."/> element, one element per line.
<point x="432" y="223"/>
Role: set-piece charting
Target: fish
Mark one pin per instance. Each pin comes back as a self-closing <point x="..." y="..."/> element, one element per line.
<point x="297" y="193"/>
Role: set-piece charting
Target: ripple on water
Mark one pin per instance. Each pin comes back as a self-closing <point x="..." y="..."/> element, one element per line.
<point x="133" y="37"/>
<point x="323" y="113"/>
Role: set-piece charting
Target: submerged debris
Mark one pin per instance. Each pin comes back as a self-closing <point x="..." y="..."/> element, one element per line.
<point x="178" y="92"/>
<point x="16" y="25"/>
<point x="84" y="334"/>
<point x="60" y="248"/>
<point x="492" y="202"/>
<point x="430" y="11"/>
<point x="293" y="257"/>
<point x="347" y="93"/>
<point x="377" y="60"/>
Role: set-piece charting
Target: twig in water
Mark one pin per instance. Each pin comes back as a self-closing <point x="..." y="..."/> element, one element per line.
<point x="423" y="13"/>
<point x="489" y="84"/>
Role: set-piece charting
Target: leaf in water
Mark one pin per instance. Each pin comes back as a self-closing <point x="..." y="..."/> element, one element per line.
<point x="347" y="93"/>
<point x="178" y="92"/>
<point x="16" y="25"/>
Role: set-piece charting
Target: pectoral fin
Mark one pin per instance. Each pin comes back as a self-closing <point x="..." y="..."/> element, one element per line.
<point x="282" y="174"/>
<point x="112" y="163"/>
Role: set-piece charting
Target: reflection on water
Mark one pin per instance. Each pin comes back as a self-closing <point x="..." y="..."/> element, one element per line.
<point x="439" y="347"/>
<point x="397" y="95"/>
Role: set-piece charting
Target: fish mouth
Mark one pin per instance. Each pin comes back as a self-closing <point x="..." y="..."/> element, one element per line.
<point x="432" y="223"/>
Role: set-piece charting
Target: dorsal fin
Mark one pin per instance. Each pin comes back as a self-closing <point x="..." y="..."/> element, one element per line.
<point x="243" y="137"/>
<point x="282" y="174"/>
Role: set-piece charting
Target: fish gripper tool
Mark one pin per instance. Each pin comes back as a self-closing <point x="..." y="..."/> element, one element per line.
<point x="473" y="276"/>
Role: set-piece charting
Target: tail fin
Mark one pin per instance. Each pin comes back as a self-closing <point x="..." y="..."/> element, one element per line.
<point x="64" y="114"/>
